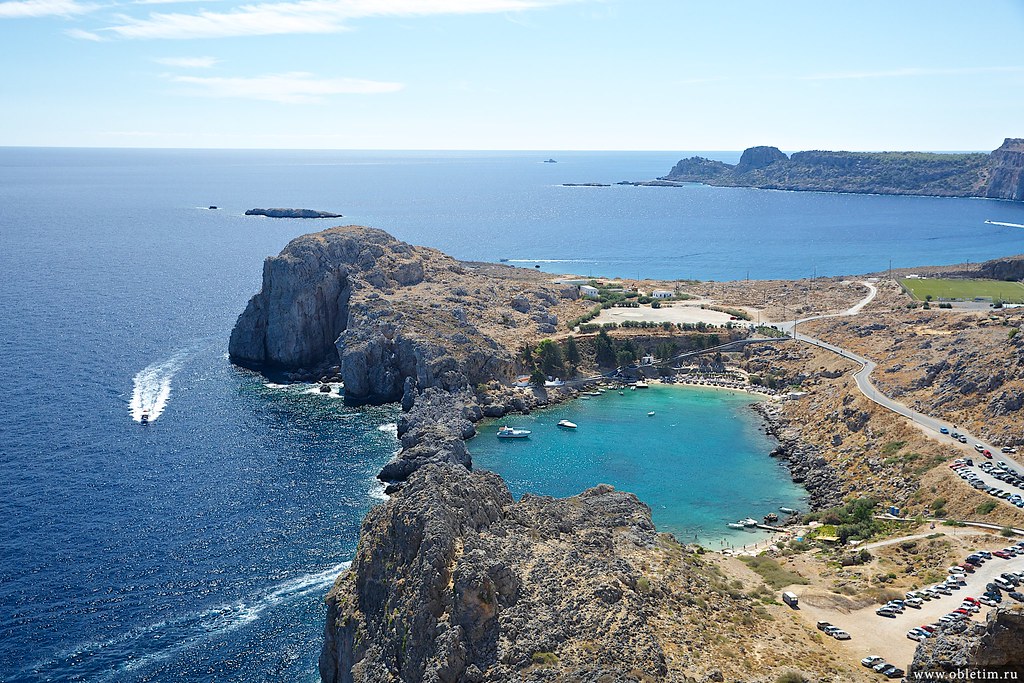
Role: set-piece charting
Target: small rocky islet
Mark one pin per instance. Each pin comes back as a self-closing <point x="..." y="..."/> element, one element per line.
<point x="290" y="213"/>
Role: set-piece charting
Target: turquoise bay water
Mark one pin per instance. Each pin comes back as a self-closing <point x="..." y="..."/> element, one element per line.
<point x="699" y="462"/>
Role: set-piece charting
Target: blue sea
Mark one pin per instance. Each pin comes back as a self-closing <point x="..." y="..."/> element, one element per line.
<point x="199" y="548"/>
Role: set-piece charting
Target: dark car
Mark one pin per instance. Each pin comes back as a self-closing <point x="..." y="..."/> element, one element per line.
<point x="894" y="673"/>
<point x="1017" y="595"/>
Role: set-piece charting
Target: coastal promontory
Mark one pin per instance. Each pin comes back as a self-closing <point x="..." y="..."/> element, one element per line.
<point x="999" y="175"/>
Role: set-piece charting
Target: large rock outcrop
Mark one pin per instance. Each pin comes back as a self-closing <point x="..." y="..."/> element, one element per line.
<point x="453" y="581"/>
<point x="385" y="312"/>
<point x="1006" y="177"/>
<point x="996" y="645"/>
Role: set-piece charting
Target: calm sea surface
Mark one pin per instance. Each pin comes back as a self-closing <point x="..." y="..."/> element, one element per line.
<point x="198" y="549"/>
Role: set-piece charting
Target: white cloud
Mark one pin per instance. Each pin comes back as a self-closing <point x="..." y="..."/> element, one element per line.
<point x="290" y="88"/>
<point x="43" y="8"/>
<point x="912" y="72"/>
<point x="84" y="35"/>
<point x="302" y="16"/>
<point x="188" y="62"/>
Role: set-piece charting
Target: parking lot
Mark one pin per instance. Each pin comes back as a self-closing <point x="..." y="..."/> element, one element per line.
<point x="887" y="636"/>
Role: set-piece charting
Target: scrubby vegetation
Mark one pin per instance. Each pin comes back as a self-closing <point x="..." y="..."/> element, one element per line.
<point x="774" y="574"/>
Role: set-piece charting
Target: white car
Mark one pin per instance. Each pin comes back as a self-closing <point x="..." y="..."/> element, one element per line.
<point x="873" y="660"/>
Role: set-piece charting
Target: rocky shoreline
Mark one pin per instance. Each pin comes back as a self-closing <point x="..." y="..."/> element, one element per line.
<point x="804" y="461"/>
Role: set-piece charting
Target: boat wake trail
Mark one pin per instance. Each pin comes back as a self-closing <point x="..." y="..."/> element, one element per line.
<point x="1008" y="225"/>
<point x="111" y="659"/>
<point x="152" y="387"/>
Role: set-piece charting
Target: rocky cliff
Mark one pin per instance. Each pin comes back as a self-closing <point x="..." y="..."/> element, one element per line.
<point x="1006" y="178"/>
<point x="996" y="175"/>
<point x="390" y="317"/>
<point x="454" y="581"/>
<point x="996" y="645"/>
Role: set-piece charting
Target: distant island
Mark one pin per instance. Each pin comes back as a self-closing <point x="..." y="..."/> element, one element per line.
<point x="292" y="213"/>
<point x="999" y="175"/>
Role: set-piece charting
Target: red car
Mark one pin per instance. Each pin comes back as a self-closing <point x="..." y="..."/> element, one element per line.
<point x="969" y="568"/>
<point x="987" y="453"/>
<point x="928" y="627"/>
<point x="1003" y="554"/>
<point x="973" y="601"/>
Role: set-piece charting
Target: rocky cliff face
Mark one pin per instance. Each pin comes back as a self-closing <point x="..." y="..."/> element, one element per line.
<point x="303" y="307"/>
<point x="1006" y="176"/>
<point x="996" y="645"/>
<point x="393" y="317"/>
<point x="755" y="158"/>
<point x="453" y="581"/>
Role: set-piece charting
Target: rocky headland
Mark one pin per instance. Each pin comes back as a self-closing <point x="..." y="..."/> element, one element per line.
<point x="999" y="175"/>
<point x="292" y="213"/>
<point x="396" y="322"/>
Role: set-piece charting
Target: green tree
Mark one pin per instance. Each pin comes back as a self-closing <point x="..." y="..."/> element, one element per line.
<point x="537" y="378"/>
<point x="550" y="355"/>
<point x="572" y="351"/>
<point x="604" y="350"/>
<point x="624" y="357"/>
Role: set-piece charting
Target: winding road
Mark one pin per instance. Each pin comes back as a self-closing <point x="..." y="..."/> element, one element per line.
<point x="929" y="425"/>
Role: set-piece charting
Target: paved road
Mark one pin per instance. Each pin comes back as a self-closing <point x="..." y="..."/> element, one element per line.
<point x="929" y="425"/>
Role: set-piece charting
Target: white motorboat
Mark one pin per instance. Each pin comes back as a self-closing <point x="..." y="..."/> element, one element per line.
<point x="641" y="384"/>
<point x="566" y="424"/>
<point x="734" y="525"/>
<point x="650" y="414"/>
<point x="510" y="433"/>
<point x="788" y="511"/>
<point x="749" y="522"/>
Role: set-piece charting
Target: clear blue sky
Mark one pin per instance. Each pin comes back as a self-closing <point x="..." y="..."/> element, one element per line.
<point x="512" y="74"/>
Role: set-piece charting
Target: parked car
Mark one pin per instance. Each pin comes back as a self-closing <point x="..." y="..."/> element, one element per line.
<point x="917" y="635"/>
<point x="984" y="553"/>
<point x="944" y="430"/>
<point x="962" y="439"/>
<point x="886" y="612"/>
<point x="840" y="634"/>
<point x="1003" y="554"/>
<point x="873" y="660"/>
<point x="1017" y="595"/>
<point x="883" y="667"/>
<point x="822" y="625"/>
<point x="914" y="602"/>
<point x="987" y="453"/>
<point x="895" y="672"/>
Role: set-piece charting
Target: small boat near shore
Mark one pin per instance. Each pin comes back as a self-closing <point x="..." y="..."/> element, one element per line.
<point x="734" y="525"/>
<point x="565" y="424"/>
<point x="788" y="511"/>
<point x="510" y="433"/>
<point x="650" y="414"/>
<point x="641" y="384"/>
<point x="749" y="522"/>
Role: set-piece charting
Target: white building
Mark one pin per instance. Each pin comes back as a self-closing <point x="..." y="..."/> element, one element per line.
<point x="587" y="290"/>
<point x="661" y="294"/>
